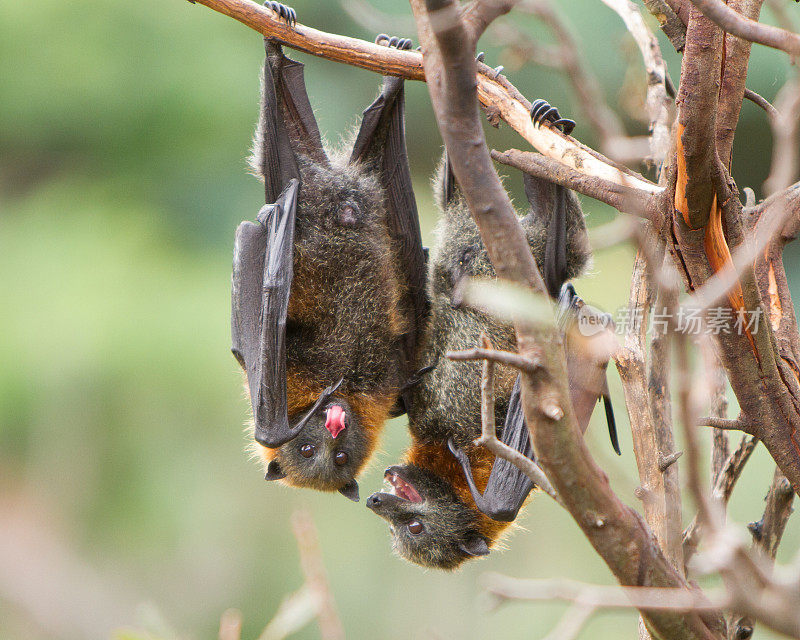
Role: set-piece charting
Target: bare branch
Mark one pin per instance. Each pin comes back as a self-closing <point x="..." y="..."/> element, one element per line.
<point x="581" y="484"/>
<point x="590" y="595"/>
<point x="762" y="102"/>
<point x="658" y="102"/>
<point x="479" y="14"/>
<point x="520" y="362"/>
<point x="726" y="424"/>
<point x="628" y="199"/>
<point x="230" y="625"/>
<point x="669" y="21"/>
<point x="738" y="25"/>
<point x="698" y="97"/>
<point x="495" y="93"/>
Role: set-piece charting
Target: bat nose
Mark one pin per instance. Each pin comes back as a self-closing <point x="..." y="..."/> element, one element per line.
<point x="374" y="501"/>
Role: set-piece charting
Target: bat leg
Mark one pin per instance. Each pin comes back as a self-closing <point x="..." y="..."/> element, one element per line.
<point x="541" y="111"/>
<point x="285" y="12"/>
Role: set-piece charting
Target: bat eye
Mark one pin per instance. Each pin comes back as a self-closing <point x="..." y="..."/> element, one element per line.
<point x="307" y="450"/>
<point x="341" y="458"/>
<point x="415" y="527"/>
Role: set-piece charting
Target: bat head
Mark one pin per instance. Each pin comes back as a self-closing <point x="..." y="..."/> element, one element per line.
<point x="327" y="454"/>
<point x="429" y="524"/>
<point x="460" y="255"/>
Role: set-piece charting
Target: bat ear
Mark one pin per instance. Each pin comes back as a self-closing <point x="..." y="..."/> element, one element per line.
<point x="274" y="471"/>
<point x="475" y="546"/>
<point x="350" y="491"/>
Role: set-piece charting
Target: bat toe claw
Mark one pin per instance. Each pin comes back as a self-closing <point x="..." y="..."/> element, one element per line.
<point x="285" y="12"/>
<point x="542" y="111"/>
<point x="402" y="44"/>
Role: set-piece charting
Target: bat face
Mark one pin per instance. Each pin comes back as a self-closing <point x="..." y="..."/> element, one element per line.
<point x="326" y="455"/>
<point x="460" y="255"/>
<point x="428" y="523"/>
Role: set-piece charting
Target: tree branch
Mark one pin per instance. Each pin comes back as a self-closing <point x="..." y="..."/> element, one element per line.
<point x="498" y="95"/>
<point x="627" y="199"/>
<point x="617" y="532"/>
<point x="738" y="25"/>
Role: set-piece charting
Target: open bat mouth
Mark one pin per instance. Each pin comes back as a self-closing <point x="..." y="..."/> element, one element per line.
<point x="401" y="488"/>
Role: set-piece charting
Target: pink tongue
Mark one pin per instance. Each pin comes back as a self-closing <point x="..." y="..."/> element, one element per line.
<point x="335" y="421"/>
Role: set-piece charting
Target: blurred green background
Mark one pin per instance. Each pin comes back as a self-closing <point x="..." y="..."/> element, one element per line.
<point x="126" y="498"/>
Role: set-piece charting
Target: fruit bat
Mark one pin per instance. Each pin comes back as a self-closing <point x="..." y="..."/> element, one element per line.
<point x="451" y="500"/>
<point x="328" y="285"/>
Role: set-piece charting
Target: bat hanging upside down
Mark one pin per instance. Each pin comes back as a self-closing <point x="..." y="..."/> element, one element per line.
<point x="328" y="299"/>
<point x="451" y="500"/>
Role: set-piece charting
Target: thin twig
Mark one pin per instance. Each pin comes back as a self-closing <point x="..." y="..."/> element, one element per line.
<point x="607" y="597"/>
<point x="488" y="436"/>
<point x="516" y="360"/>
<point x="726" y="424"/>
<point x="230" y="625"/>
<point x="330" y="626"/>
<point x="762" y="102"/>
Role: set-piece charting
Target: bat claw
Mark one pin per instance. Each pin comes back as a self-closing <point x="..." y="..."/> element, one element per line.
<point x="285" y="12"/>
<point x="403" y="44"/>
<point x="542" y="111"/>
<point x="415" y="379"/>
<point x="480" y="57"/>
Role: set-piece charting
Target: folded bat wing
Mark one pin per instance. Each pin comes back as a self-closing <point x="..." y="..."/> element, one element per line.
<point x="381" y="146"/>
<point x="263" y="253"/>
<point x="262" y="278"/>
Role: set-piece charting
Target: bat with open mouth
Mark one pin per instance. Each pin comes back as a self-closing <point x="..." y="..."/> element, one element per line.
<point x="328" y="286"/>
<point x="450" y="500"/>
